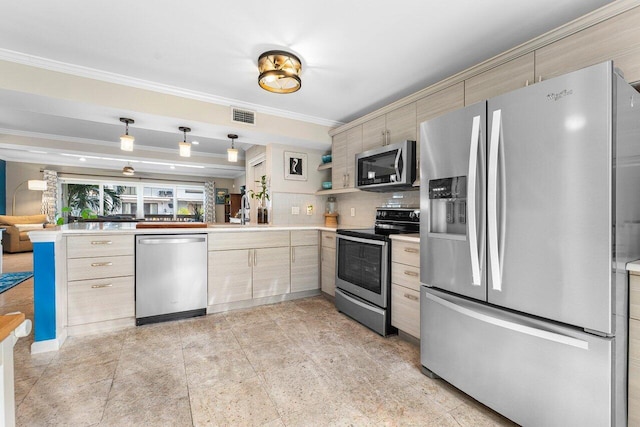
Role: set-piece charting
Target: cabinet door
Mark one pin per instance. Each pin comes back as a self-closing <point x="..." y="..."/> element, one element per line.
<point x="100" y="300"/>
<point x="339" y="160"/>
<point x="329" y="239"/>
<point x="229" y="276"/>
<point x="401" y="124"/>
<point x="354" y="146"/>
<point x="439" y="103"/>
<point x="617" y="38"/>
<point x="634" y="372"/>
<point x="304" y="268"/>
<point x="329" y="270"/>
<point x="634" y="296"/>
<point x="374" y="133"/>
<point x="270" y="272"/>
<point x="405" y="309"/>
<point x="501" y="79"/>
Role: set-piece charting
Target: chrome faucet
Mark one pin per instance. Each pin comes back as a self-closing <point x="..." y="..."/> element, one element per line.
<point x="244" y="205"/>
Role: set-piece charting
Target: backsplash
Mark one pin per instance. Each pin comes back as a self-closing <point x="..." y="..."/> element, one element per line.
<point x="364" y="204"/>
<point x="282" y="204"/>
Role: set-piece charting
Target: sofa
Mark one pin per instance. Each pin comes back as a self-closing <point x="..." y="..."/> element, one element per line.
<point x="16" y="234"/>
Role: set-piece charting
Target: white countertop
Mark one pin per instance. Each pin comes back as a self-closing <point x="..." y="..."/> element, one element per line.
<point x="634" y="266"/>
<point x="412" y="238"/>
<point x="53" y="234"/>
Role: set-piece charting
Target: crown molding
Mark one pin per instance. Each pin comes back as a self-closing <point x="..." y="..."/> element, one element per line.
<point x="120" y="79"/>
<point x="608" y="11"/>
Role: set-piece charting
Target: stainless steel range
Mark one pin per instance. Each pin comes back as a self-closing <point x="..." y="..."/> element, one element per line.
<point x="363" y="267"/>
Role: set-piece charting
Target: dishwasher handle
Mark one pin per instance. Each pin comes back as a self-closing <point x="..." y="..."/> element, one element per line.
<point x="171" y="241"/>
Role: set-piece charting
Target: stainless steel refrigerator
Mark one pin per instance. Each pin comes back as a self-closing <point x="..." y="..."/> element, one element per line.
<point x="530" y="209"/>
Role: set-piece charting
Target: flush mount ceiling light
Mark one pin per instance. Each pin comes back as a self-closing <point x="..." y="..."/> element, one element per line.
<point x="185" y="147"/>
<point x="126" y="140"/>
<point x="128" y="170"/>
<point x="232" y="153"/>
<point x="279" y="71"/>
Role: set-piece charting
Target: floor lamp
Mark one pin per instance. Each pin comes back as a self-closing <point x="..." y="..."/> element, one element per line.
<point x="32" y="184"/>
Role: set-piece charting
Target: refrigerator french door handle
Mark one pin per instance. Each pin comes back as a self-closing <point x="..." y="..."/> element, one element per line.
<point x="396" y="165"/>
<point x="506" y="324"/>
<point x="492" y="201"/>
<point x="471" y="202"/>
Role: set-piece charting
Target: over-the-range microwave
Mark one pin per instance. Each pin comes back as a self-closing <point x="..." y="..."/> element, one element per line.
<point x="388" y="168"/>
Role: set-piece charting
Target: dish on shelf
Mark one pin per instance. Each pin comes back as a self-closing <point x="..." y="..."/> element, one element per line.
<point x="327" y="185"/>
<point x="326" y="158"/>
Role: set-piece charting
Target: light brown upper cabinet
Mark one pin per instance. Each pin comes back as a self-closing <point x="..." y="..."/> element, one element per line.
<point x="396" y="126"/>
<point x="344" y="147"/>
<point x="439" y="103"/>
<point x="511" y="75"/>
<point x="617" y="38"/>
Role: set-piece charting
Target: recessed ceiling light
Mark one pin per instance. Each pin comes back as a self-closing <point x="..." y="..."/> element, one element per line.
<point x="172" y="167"/>
<point x="82" y="159"/>
<point x="195" y="142"/>
<point x="37" y="152"/>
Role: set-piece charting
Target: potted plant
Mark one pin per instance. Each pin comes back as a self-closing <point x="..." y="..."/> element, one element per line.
<point x="262" y="197"/>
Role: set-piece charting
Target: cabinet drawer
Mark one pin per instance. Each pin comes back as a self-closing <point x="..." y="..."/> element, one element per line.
<point x="405" y="253"/>
<point x="99" y="300"/>
<point x="99" y="245"/>
<point x="405" y="310"/>
<point x="328" y="239"/>
<point x="634" y="296"/>
<point x="405" y="275"/>
<point x="248" y="240"/>
<point x="634" y="372"/>
<point x="304" y="237"/>
<point x="100" y="267"/>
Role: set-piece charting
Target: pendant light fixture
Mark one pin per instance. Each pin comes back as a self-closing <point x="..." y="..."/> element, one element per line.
<point x="279" y="71"/>
<point x="128" y="170"/>
<point x="232" y="153"/>
<point x="126" y="140"/>
<point x="185" y="147"/>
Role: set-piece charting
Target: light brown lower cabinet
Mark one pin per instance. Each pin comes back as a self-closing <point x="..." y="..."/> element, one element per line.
<point x="405" y="287"/>
<point x="100" y="300"/>
<point x="634" y="350"/>
<point x="328" y="262"/>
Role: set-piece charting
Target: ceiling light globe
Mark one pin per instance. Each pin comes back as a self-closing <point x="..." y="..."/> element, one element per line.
<point x="232" y="154"/>
<point x="126" y="142"/>
<point x="185" y="149"/>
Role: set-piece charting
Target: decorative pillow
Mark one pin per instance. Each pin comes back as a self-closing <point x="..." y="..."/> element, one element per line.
<point x="29" y="227"/>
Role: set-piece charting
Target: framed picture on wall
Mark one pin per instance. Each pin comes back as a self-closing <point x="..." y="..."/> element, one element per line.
<point x="295" y="166"/>
<point x="221" y="193"/>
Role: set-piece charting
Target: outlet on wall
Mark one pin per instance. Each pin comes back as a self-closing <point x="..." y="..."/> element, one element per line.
<point x="353" y="211"/>
<point x="295" y="210"/>
<point x="309" y="209"/>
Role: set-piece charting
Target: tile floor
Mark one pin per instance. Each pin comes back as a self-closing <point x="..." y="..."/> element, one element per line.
<point x="298" y="363"/>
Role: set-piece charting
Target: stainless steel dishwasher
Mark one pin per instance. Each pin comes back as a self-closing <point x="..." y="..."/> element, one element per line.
<point x="171" y="277"/>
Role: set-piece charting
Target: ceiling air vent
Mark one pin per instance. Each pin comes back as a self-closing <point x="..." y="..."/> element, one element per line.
<point x="243" y="116"/>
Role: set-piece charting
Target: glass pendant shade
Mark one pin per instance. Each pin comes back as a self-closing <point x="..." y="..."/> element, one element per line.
<point x="184" y="146"/>
<point x="128" y="170"/>
<point x="126" y="140"/>
<point x="232" y="154"/>
<point x="279" y="72"/>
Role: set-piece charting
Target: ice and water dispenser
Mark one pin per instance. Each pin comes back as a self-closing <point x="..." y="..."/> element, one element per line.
<point x="448" y="206"/>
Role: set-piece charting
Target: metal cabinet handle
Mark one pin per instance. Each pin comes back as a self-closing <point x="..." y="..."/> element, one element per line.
<point x="101" y="242"/>
<point x="410" y="273"/>
<point x="328" y="237"/>
<point x="411" y="250"/>
<point x="539" y="78"/>
<point x="106" y="285"/>
<point x="526" y="83"/>
<point x="255" y="257"/>
<point x="388" y="137"/>
<point x="411" y="297"/>
<point x="384" y="138"/>
<point x="293" y="254"/>
<point x="101" y="264"/>
<point x="249" y="258"/>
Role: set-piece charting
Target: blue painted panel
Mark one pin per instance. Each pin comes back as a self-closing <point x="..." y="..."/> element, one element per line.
<point x="44" y="291"/>
<point x="3" y="187"/>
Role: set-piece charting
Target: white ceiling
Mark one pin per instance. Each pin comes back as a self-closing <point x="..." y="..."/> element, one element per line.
<point x="357" y="56"/>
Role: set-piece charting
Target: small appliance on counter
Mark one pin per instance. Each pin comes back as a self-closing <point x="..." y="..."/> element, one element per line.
<point x="363" y="267"/>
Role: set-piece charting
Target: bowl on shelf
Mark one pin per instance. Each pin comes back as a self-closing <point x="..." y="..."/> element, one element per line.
<point x="326" y="158"/>
<point x="327" y="185"/>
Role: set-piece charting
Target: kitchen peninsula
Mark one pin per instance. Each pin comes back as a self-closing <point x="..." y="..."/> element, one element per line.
<point x="85" y="273"/>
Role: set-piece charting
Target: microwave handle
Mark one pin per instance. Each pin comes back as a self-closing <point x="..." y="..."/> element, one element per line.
<point x="397" y="165"/>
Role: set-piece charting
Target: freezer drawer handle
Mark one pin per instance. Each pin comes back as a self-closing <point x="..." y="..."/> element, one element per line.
<point x="106" y="285"/>
<point x="411" y="297"/>
<point x="471" y="197"/>
<point x="411" y="273"/>
<point x="171" y="241"/>
<point x="101" y="264"/>
<point x="101" y="242"/>
<point x="492" y="201"/>
<point x="534" y="332"/>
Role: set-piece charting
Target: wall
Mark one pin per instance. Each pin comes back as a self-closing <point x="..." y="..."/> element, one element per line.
<point x="276" y="170"/>
<point x="28" y="202"/>
<point x="3" y="187"/>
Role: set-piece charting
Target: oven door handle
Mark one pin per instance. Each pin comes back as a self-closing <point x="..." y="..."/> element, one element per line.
<point x="361" y="240"/>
